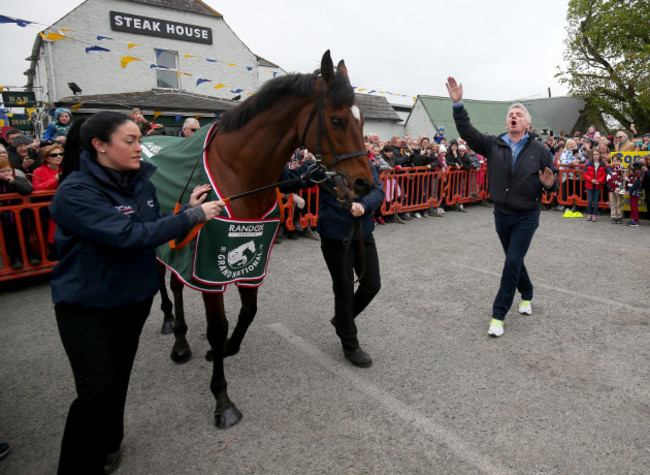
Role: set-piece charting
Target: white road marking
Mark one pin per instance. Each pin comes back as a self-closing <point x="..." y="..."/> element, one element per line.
<point x="391" y="404"/>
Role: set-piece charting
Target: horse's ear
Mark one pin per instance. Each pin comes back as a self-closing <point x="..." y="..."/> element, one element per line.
<point x="327" y="67"/>
<point x="343" y="69"/>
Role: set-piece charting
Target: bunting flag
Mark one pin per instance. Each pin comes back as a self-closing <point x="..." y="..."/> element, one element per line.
<point x="96" y="48"/>
<point x="157" y="114"/>
<point x="52" y="36"/>
<point x="177" y="117"/>
<point x="76" y="107"/>
<point x="198" y="116"/>
<point x="17" y="21"/>
<point x="2" y="88"/>
<point x="126" y="60"/>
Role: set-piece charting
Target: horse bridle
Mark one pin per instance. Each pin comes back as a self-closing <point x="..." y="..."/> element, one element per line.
<point x="319" y="111"/>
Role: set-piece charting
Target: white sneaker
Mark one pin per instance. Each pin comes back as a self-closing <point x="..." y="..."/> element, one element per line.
<point x="417" y="215"/>
<point x="525" y="308"/>
<point x="496" y="328"/>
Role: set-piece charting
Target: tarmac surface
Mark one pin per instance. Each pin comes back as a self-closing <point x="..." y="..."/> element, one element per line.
<point x="566" y="390"/>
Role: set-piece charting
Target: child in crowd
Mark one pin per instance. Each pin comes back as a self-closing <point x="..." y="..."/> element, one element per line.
<point x="594" y="175"/>
<point x="11" y="183"/>
<point x="635" y="190"/>
<point x="616" y="190"/>
<point x="59" y="128"/>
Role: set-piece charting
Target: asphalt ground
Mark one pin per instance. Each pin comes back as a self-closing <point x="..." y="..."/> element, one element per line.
<point x="566" y="390"/>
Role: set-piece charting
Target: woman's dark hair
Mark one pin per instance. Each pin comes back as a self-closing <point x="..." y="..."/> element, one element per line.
<point x="71" y="150"/>
<point x="100" y="126"/>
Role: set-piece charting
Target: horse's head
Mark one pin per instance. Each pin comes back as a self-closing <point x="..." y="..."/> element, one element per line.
<point x="333" y="128"/>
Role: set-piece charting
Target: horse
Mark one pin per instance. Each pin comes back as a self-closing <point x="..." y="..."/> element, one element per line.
<point x="252" y="144"/>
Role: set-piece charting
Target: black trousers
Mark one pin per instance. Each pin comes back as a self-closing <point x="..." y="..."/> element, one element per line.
<point x="348" y="304"/>
<point x="101" y="345"/>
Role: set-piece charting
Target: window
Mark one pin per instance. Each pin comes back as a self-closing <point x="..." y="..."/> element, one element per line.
<point x="167" y="78"/>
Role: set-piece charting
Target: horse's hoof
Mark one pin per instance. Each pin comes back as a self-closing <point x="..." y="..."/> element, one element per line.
<point x="209" y="356"/>
<point x="227" y="418"/>
<point x="181" y="356"/>
<point x="167" y="328"/>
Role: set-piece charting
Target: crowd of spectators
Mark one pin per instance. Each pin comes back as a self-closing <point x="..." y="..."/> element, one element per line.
<point x="28" y="164"/>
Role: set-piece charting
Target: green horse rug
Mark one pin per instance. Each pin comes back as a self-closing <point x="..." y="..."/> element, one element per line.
<point x="227" y="250"/>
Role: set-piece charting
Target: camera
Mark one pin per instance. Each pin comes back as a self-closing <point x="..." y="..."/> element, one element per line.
<point x="31" y="153"/>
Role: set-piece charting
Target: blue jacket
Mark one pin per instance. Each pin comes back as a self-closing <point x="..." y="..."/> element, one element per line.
<point x="334" y="219"/>
<point x="107" y="236"/>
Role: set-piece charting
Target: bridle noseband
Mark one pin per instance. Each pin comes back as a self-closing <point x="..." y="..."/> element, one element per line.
<point x="319" y="111"/>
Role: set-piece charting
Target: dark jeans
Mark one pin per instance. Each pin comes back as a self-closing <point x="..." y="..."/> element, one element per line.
<point x="348" y="303"/>
<point x="101" y="345"/>
<point x="593" y="196"/>
<point x="515" y="233"/>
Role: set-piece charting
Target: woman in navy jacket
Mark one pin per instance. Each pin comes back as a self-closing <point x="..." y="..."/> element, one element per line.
<point x="108" y="227"/>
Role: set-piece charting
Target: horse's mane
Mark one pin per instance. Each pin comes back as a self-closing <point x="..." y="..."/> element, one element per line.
<point x="339" y="91"/>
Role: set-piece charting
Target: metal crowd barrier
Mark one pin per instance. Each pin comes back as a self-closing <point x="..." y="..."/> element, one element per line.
<point x="31" y="226"/>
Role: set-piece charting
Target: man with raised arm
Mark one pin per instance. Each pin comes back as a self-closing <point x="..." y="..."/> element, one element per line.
<point x="519" y="170"/>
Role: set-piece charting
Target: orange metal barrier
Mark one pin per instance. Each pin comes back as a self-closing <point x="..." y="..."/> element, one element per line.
<point x="31" y="226"/>
<point x="308" y="216"/>
<point x="463" y="186"/>
<point x="572" y="188"/>
<point x="411" y="189"/>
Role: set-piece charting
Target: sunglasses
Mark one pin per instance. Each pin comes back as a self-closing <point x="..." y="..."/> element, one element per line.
<point x="55" y="155"/>
<point x="193" y="130"/>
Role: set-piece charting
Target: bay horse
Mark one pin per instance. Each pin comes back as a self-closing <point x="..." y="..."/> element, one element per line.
<point x="252" y="144"/>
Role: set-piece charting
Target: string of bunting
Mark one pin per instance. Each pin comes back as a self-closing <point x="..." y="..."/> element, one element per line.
<point x="69" y="34"/>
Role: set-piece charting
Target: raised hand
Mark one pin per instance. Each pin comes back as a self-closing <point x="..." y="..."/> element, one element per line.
<point x="455" y="90"/>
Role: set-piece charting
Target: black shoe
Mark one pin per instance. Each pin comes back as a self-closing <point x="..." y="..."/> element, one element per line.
<point x="4" y="449"/>
<point x="358" y="357"/>
<point x="112" y="462"/>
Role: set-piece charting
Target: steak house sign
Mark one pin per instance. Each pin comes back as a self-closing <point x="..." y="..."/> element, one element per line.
<point x="161" y="28"/>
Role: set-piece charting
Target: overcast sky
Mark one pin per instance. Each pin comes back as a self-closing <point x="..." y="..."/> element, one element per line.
<point x="499" y="50"/>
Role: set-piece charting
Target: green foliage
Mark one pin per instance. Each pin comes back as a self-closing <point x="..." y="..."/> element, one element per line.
<point x="608" y="55"/>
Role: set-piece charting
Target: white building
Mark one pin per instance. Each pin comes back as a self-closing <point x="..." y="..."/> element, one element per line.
<point x="180" y="47"/>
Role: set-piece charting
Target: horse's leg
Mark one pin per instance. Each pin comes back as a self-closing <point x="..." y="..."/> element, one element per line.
<point x="166" y="304"/>
<point x="226" y="413"/>
<point x="248" y="297"/>
<point x="181" y="352"/>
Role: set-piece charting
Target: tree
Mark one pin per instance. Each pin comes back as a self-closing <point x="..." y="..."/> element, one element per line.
<point x="608" y="57"/>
